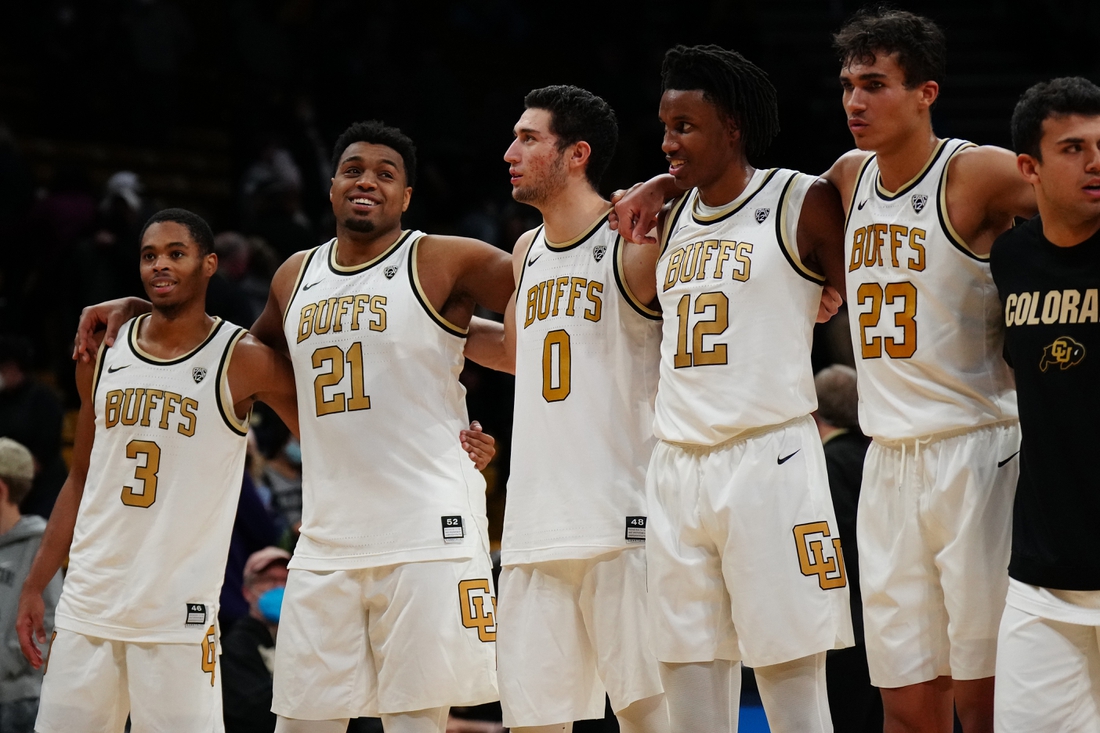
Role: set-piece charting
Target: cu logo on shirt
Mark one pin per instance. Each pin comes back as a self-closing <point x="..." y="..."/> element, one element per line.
<point x="478" y="608"/>
<point x="817" y="556"/>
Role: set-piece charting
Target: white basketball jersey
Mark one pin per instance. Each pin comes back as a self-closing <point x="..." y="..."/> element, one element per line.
<point x="152" y="532"/>
<point x="586" y="373"/>
<point x="739" y="309"/>
<point x="924" y="312"/>
<point x="380" y="407"/>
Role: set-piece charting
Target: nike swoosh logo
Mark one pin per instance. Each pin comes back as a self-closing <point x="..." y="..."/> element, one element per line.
<point x="1000" y="464"/>
<point x="307" y="287"/>
<point x="784" y="459"/>
<point x="112" y="370"/>
<point x="861" y="204"/>
<point x="533" y="260"/>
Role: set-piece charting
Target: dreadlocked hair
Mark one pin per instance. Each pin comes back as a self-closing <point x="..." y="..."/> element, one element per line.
<point x="738" y="88"/>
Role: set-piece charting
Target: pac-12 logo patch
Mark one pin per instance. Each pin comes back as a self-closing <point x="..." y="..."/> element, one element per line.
<point x="198" y="374"/>
<point x="1065" y="352"/>
<point x="762" y="214"/>
<point x="478" y="608"/>
<point x="818" y="556"/>
<point x="598" y="252"/>
<point x="390" y="271"/>
<point x="918" y="201"/>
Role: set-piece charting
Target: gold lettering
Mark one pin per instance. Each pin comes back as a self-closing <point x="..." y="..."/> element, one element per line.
<point x="131" y="406"/>
<point x="323" y="308"/>
<point x="187" y="410"/>
<point x="171" y="400"/>
<point x="897" y="231"/>
<point x="575" y="286"/>
<point x="113" y="405"/>
<point x="377" y="307"/>
<point x="152" y="398"/>
<point x="674" y="261"/>
<point x="305" y="321"/>
<point x="594" y="290"/>
<point x="916" y="243"/>
<point x="879" y="241"/>
<point x="545" y="296"/>
<point x="559" y="290"/>
<point x="708" y="250"/>
<point x="532" y="304"/>
<point x="342" y="305"/>
<point x="859" y="236"/>
<point x="744" y="249"/>
<point x="720" y="262"/>
<point x="687" y="269"/>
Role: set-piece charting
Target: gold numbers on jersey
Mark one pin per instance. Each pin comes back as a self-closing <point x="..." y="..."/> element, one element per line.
<point x="147" y="473"/>
<point x="716" y="324"/>
<point x="905" y="318"/>
<point x="336" y="358"/>
<point x="556" y="372"/>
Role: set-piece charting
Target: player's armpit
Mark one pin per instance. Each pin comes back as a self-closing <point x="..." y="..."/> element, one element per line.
<point x="109" y="315"/>
<point x="479" y="445"/>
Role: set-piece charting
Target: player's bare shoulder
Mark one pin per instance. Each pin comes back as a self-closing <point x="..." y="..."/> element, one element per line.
<point x="844" y="173"/>
<point x="984" y="191"/>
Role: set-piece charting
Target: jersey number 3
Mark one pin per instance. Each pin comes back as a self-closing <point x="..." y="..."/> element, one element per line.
<point x="905" y="319"/>
<point x="147" y="474"/>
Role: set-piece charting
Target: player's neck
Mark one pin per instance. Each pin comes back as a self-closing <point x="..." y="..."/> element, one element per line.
<point x="903" y="161"/>
<point x="729" y="186"/>
<point x="571" y="212"/>
<point x="355" y="248"/>
<point x="1062" y="228"/>
<point x="167" y="334"/>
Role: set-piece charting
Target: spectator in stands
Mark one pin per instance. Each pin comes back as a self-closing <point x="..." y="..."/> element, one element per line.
<point x="224" y="295"/>
<point x="253" y="529"/>
<point x="271" y="190"/>
<point x="106" y="257"/>
<point x="31" y="414"/>
<point x="855" y="705"/>
<point x="20" y="536"/>
<point x="248" y="649"/>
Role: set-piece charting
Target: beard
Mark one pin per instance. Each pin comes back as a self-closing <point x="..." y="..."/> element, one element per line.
<point x="539" y="193"/>
<point x="363" y="226"/>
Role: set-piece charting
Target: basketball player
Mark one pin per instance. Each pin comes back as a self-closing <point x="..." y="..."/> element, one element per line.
<point x="389" y="603"/>
<point x="149" y="504"/>
<point x="584" y="350"/>
<point x="744" y="557"/>
<point x="1048" y="274"/>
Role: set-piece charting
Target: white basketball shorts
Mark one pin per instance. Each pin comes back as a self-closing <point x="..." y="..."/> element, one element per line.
<point x="569" y="630"/>
<point x="744" y="554"/>
<point x="92" y="684"/>
<point x="934" y="533"/>
<point x="384" y="640"/>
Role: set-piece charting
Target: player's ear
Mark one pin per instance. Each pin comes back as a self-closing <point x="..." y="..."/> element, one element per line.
<point x="408" y="198"/>
<point x="1028" y="167"/>
<point x="929" y="93"/>
<point x="582" y="152"/>
<point x="210" y="264"/>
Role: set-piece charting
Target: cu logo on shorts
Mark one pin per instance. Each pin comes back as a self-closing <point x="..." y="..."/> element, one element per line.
<point x="811" y="542"/>
<point x="478" y="608"/>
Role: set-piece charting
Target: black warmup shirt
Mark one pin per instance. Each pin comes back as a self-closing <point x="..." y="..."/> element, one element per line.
<point x="1052" y="341"/>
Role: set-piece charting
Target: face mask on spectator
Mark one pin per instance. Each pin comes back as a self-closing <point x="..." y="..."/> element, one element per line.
<point x="293" y="451"/>
<point x="270" y="604"/>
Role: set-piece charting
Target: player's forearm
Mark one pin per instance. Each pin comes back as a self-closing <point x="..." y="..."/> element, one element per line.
<point x="486" y="345"/>
<point x="57" y="538"/>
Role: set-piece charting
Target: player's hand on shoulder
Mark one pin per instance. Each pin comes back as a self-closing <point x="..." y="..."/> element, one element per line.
<point x="843" y="172"/>
<point x="110" y="316"/>
<point x="479" y="445"/>
<point x="30" y="626"/>
<point x="638" y="210"/>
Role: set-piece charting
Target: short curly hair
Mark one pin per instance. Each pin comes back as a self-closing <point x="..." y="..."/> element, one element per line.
<point x="577" y="114"/>
<point x="198" y="228"/>
<point x="1068" y="95"/>
<point x="737" y="87"/>
<point x="918" y="42"/>
<point x="374" y="132"/>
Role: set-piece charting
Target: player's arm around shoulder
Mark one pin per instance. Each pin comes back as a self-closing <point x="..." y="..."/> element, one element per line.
<point x="493" y="344"/>
<point x="843" y="175"/>
<point x="820" y="233"/>
<point x="268" y="328"/>
<point x="30" y="618"/>
<point x="985" y="191"/>
<point x="457" y="273"/>
<point x="259" y="372"/>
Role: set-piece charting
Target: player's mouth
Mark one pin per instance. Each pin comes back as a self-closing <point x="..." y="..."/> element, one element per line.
<point x="675" y="166"/>
<point x="161" y="286"/>
<point x="515" y="176"/>
<point x="857" y="125"/>
<point x="364" y="203"/>
<point x="1092" y="189"/>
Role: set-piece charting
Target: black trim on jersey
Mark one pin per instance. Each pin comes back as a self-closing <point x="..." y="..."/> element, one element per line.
<point x="366" y="265"/>
<point x="855" y="191"/>
<point x="222" y="375"/>
<point x="526" y="255"/>
<point x="707" y="222"/>
<point x="781" y="237"/>
<point x="298" y="282"/>
<point x="916" y="181"/>
<point x="584" y="238"/>
<point x="620" y="280"/>
<point x="670" y="224"/>
<point x="100" y="358"/>
<point x="436" y="318"/>
<point x="131" y="340"/>
<point x="941" y="214"/>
